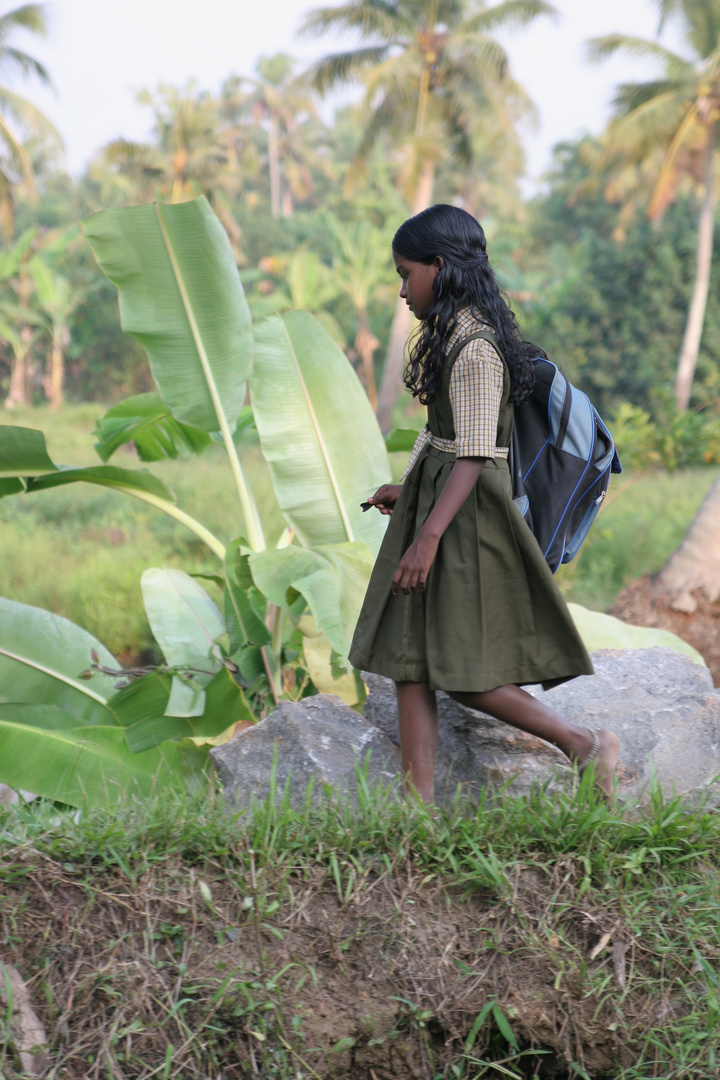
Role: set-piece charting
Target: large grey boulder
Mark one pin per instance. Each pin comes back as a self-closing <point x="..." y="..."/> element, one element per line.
<point x="318" y="737"/>
<point x="473" y="749"/>
<point x="662" y="706"/>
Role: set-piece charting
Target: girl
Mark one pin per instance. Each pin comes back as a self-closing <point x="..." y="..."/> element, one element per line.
<point x="461" y="598"/>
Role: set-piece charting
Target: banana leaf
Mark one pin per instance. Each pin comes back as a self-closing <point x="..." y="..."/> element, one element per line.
<point x="243" y="603"/>
<point x="187" y="696"/>
<point x="25" y="465"/>
<point x="146" y="420"/>
<point x="23" y="452"/>
<point x="601" y="631"/>
<point x="251" y="665"/>
<point x="318" y="656"/>
<point x="332" y="579"/>
<point x="185" y="621"/>
<point x="141" y="709"/>
<point x="400" y="439"/>
<point x="42" y="657"/>
<point x="134" y="481"/>
<point x="24" y="458"/>
<point x="181" y="297"/>
<point x="318" y="433"/>
<point x="43" y="749"/>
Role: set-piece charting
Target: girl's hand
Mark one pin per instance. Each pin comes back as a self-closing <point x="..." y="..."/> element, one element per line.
<point x="385" y="498"/>
<point x="414" y="567"/>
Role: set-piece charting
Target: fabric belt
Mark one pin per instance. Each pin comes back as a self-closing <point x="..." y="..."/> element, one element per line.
<point x="448" y="446"/>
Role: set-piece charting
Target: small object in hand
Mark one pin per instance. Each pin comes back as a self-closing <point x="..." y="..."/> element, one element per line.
<point x="366" y="506"/>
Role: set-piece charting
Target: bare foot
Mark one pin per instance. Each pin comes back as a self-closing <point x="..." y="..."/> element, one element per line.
<point x="605" y="760"/>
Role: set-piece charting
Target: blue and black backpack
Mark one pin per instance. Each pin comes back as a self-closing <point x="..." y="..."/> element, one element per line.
<point x="561" y="460"/>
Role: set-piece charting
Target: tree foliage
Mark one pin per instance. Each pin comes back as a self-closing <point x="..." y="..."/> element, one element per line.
<point x="610" y="306"/>
<point x="664" y="137"/>
<point x="309" y="206"/>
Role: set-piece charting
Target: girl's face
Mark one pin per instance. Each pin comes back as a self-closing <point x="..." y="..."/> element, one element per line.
<point x="417" y="283"/>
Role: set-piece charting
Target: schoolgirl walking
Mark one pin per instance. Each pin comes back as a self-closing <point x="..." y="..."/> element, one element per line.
<point x="461" y="598"/>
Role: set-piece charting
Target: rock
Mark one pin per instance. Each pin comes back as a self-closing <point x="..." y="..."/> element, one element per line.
<point x="473" y="749"/>
<point x="661" y="705"/>
<point x="318" y="737"/>
<point x="664" y="710"/>
<point x="9" y="797"/>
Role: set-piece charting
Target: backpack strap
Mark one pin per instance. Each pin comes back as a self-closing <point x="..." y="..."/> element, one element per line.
<point x="514" y="453"/>
<point x="487" y="335"/>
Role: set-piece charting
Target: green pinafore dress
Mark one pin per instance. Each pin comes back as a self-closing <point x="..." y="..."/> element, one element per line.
<point x="491" y="613"/>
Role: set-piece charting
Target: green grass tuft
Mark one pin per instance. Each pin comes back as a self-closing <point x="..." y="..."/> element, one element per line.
<point x="270" y="920"/>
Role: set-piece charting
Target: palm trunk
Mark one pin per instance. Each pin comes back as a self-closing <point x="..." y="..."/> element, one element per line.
<point x="391" y="379"/>
<point x="274" y="164"/>
<point x="696" y="315"/>
<point x="696" y="563"/>
<point x="366" y="343"/>
<point x="56" y="376"/>
<point x="16" y="394"/>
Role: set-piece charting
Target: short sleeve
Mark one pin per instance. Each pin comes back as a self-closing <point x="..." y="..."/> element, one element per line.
<point x="476" y="387"/>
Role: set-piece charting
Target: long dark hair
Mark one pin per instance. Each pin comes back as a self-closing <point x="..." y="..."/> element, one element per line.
<point x="466" y="279"/>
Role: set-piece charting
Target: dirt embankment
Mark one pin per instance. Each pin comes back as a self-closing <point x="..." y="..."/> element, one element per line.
<point x="642" y="604"/>
<point x="379" y="977"/>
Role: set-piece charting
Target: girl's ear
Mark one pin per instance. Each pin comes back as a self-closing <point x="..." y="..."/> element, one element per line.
<point x="439" y="262"/>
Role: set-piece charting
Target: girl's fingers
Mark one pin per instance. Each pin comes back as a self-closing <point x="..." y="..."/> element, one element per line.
<point x="407" y="579"/>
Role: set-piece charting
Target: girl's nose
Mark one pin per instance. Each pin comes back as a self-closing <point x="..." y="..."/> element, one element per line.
<point x="403" y="290"/>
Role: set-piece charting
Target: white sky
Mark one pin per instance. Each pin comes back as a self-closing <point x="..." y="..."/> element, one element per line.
<point x="100" y="52"/>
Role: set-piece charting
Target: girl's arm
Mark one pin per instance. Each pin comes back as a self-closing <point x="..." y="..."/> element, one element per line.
<point x="414" y="567"/>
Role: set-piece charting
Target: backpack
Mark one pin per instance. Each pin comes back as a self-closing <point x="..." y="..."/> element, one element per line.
<point x="561" y="459"/>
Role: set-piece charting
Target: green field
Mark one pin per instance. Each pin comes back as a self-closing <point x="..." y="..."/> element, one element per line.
<point x="79" y="551"/>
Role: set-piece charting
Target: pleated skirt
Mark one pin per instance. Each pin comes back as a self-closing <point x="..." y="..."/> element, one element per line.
<point x="491" y="613"/>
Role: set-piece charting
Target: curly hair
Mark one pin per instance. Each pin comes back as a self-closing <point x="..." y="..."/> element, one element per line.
<point x="465" y="279"/>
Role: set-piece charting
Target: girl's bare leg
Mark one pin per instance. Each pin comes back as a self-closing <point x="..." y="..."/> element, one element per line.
<point x="418" y="723"/>
<point x="519" y="709"/>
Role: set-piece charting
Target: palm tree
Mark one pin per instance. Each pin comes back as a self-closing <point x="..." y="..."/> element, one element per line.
<point x="359" y="257"/>
<point x="672" y="123"/>
<point x="283" y="107"/>
<point x="57" y="300"/>
<point x="433" y="76"/>
<point x="695" y="566"/>
<point x="192" y="154"/>
<point x="18" y="117"/>
<point x="17" y="320"/>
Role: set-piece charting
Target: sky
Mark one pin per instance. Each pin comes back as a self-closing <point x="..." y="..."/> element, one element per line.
<point x="101" y="52"/>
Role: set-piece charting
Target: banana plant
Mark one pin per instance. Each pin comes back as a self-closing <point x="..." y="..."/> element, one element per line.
<point x="63" y="737"/>
<point x="57" y="300"/>
<point x="180" y="296"/>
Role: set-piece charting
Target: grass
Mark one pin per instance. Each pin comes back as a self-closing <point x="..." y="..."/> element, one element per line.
<point x="80" y="551"/>
<point x="644" y="520"/>
<point x="534" y="936"/>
